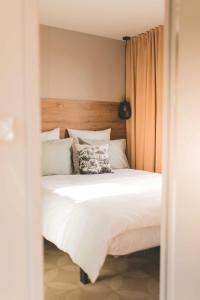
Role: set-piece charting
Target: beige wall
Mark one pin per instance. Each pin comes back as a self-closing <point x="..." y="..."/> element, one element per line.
<point x="80" y="66"/>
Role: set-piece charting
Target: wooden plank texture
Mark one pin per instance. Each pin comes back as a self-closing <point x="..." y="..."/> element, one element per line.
<point x="82" y="114"/>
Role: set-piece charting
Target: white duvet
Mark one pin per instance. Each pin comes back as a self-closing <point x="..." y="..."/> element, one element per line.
<point x="83" y="213"/>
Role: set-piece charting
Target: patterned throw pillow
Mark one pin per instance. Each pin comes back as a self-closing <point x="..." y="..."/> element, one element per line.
<point x="116" y="150"/>
<point x="93" y="159"/>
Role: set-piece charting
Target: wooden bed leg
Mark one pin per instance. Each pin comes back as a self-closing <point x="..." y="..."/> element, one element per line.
<point x="84" y="277"/>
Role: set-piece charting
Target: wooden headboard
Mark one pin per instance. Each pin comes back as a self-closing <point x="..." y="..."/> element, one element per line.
<point x="82" y="114"/>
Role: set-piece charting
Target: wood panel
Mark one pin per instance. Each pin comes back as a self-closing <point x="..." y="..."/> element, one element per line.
<point x="82" y="114"/>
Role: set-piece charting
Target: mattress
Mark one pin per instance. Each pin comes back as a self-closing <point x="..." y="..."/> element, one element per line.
<point x="135" y="240"/>
<point x="90" y="216"/>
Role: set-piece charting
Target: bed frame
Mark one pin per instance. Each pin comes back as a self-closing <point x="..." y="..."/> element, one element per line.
<point x="82" y="114"/>
<point x="84" y="277"/>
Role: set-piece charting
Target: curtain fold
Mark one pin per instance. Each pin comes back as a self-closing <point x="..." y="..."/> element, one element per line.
<point x="144" y="90"/>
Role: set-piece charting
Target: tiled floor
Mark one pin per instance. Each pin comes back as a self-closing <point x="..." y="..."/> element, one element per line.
<point x="131" y="277"/>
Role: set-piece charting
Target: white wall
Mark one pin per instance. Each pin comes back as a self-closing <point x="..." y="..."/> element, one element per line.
<point x="181" y="248"/>
<point x="21" y="247"/>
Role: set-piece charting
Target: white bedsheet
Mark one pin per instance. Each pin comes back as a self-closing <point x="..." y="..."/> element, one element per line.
<point x="82" y="214"/>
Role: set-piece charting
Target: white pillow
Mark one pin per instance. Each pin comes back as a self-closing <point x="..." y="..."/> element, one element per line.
<point x="50" y="135"/>
<point x="117" y="151"/>
<point x="90" y="134"/>
<point x="56" y="157"/>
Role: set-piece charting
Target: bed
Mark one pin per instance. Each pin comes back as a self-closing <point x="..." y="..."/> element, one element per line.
<point x="91" y="216"/>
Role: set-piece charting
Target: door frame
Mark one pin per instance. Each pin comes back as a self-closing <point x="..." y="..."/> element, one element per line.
<point x="169" y="147"/>
<point x="21" y="257"/>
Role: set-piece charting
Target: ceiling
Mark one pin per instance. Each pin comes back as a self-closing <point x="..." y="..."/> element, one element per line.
<point x="108" y="18"/>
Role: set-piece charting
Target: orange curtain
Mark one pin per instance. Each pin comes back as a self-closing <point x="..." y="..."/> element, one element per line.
<point x="144" y="90"/>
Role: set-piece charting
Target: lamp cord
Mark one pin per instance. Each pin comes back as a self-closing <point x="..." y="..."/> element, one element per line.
<point x="125" y="68"/>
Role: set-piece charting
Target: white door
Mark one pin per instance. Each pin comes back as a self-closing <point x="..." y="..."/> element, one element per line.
<point x="20" y="238"/>
<point x="180" y="272"/>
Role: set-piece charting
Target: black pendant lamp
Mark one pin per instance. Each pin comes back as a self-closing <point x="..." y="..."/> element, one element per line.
<point x="124" y="106"/>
